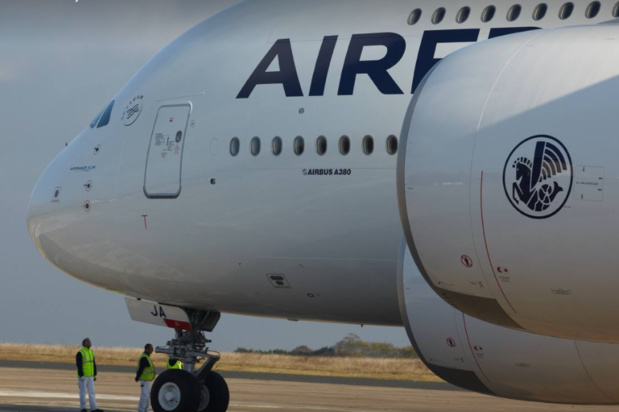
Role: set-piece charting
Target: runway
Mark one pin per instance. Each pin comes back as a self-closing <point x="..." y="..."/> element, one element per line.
<point x="40" y="389"/>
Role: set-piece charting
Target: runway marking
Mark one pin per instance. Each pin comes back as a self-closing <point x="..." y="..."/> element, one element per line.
<point x="304" y="407"/>
<point x="64" y="395"/>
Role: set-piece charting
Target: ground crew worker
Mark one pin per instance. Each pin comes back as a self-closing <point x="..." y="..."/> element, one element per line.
<point x="86" y="375"/>
<point x="174" y="364"/>
<point x="145" y="375"/>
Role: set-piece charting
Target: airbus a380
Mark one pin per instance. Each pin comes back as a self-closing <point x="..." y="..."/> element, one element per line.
<point x="319" y="161"/>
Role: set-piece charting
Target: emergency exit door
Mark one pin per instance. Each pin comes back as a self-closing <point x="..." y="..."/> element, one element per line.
<point x="162" y="178"/>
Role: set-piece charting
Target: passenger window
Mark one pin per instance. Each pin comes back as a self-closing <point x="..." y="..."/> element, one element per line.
<point x="299" y="145"/>
<point x="540" y="11"/>
<point x="414" y="17"/>
<point x="616" y="10"/>
<point x="321" y="145"/>
<point x="344" y="145"/>
<point x="235" y="146"/>
<point x="566" y="11"/>
<point x="276" y="145"/>
<point x="438" y="15"/>
<point x="514" y="12"/>
<point x="255" y="146"/>
<point x="463" y="14"/>
<point x="105" y="117"/>
<point x="368" y="145"/>
<point x="488" y="14"/>
<point x="593" y="9"/>
<point x="392" y="145"/>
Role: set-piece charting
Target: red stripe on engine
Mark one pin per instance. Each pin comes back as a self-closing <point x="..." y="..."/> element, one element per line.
<point x="483" y="228"/>
<point x="466" y="331"/>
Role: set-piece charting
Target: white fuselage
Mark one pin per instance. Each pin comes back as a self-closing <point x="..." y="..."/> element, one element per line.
<point x="328" y="224"/>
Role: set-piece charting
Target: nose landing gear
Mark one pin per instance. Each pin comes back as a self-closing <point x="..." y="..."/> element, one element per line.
<point x="191" y="390"/>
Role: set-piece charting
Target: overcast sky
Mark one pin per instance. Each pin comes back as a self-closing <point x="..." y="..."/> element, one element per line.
<point x="60" y="62"/>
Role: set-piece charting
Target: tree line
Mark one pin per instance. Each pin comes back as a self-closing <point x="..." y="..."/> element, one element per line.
<point x="351" y="347"/>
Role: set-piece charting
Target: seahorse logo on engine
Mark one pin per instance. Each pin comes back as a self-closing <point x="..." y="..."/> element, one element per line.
<point x="538" y="177"/>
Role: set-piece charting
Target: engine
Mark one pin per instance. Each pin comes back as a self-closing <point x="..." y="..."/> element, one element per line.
<point x="491" y="359"/>
<point x="508" y="186"/>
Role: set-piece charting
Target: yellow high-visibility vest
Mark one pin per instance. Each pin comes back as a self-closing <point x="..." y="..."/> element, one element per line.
<point x="88" y="362"/>
<point x="177" y="365"/>
<point x="149" y="372"/>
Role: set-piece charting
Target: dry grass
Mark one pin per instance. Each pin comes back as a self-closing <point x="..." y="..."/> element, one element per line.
<point x="66" y="354"/>
<point x="403" y="369"/>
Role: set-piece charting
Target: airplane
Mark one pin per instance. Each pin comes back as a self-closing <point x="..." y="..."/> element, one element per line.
<point x="319" y="160"/>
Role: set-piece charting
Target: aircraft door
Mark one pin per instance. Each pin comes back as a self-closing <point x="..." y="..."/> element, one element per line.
<point x="162" y="177"/>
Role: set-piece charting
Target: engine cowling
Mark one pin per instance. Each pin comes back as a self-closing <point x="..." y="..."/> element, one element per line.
<point x="508" y="181"/>
<point x="494" y="360"/>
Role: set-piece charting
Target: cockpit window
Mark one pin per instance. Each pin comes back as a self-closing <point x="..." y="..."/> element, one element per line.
<point x="105" y="117"/>
<point x="96" y="119"/>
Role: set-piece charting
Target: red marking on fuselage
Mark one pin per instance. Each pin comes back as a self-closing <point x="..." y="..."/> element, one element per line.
<point x="177" y="324"/>
<point x="145" y="226"/>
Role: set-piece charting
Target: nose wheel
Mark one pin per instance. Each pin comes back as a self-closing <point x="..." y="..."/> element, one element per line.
<point x="175" y="391"/>
<point x="214" y="394"/>
<point x="180" y="391"/>
<point x="188" y="389"/>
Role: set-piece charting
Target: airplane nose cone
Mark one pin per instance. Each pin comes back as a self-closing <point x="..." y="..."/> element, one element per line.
<point x="59" y="215"/>
<point x="71" y="215"/>
<point x="45" y="211"/>
<point x="33" y="215"/>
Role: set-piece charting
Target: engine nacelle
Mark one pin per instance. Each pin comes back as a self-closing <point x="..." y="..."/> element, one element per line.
<point x="508" y="181"/>
<point x="491" y="359"/>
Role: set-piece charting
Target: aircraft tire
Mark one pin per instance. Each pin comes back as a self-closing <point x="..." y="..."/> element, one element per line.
<point x="175" y="390"/>
<point x="214" y="394"/>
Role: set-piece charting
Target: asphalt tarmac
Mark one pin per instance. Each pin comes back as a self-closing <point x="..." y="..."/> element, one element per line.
<point x="41" y="387"/>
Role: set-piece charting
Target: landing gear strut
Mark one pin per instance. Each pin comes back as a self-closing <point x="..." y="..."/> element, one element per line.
<point x="191" y="390"/>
